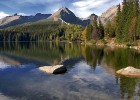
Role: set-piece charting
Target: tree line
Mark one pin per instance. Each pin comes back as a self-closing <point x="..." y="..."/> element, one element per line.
<point x="125" y="27"/>
<point x="42" y="31"/>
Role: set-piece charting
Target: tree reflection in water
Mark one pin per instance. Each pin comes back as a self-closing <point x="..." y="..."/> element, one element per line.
<point x="70" y="54"/>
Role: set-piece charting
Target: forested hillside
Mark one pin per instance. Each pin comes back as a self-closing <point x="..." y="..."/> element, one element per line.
<point x="125" y="27"/>
<point x="42" y="31"/>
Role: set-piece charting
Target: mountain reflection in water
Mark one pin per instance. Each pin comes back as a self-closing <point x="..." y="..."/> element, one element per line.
<point x="90" y="75"/>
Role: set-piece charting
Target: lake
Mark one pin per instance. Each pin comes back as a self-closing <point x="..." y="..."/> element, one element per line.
<point x="90" y="75"/>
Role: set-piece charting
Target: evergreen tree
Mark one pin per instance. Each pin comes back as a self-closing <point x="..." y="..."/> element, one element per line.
<point x="101" y="30"/>
<point x="127" y="21"/>
<point x="89" y="32"/>
<point x="110" y="29"/>
<point x="95" y="30"/>
<point x="83" y="37"/>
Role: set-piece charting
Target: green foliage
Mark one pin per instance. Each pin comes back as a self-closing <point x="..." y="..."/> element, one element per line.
<point x="73" y="32"/>
<point x="125" y="27"/>
<point x="89" y="32"/>
<point x="126" y="21"/>
<point x="101" y="30"/>
<point x="138" y="27"/>
<point x="110" y="29"/>
<point x="93" y="31"/>
<point x="42" y="31"/>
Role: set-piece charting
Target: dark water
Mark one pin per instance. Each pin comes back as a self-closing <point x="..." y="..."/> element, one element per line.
<point x="90" y="76"/>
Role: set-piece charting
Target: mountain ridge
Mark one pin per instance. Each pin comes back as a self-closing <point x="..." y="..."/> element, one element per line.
<point x="68" y="16"/>
<point x="19" y="19"/>
<point x="109" y="14"/>
<point x="63" y="15"/>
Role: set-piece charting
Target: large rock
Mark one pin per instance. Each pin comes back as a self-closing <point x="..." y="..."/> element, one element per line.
<point x="129" y="71"/>
<point x="58" y="69"/>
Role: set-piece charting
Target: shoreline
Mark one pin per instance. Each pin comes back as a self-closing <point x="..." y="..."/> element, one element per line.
<point x="90" y="43"/>
<point x="112" y="44"/>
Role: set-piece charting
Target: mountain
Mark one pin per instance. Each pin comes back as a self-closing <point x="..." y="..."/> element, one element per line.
<point x="63" y="15"/>
<point x="68" y="17"/>
<point x="18" y="19"/>
<point x="9" y="19"/>
<point x="109" y="14"/>
<point x="90" y="19"/>
<point x="93" y="17"/>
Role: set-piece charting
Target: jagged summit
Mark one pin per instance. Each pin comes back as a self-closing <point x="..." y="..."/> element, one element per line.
<point x="64" y="9"/>
<point x="90" y="17"/>
<point x="67" y="16"/>
<point x="61" y="12"/>
<point x="64" y="15"/>
<point x="15" y="14"/>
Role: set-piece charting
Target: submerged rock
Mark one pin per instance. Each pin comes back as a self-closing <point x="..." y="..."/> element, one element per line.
<point x="129" y="71"/>
<point x="58" y="69"/>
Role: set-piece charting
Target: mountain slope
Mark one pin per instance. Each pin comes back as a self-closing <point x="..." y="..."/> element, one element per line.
<point x="18" y="19"/>
<point x="9" y="19"/>
<point x="64" y="14"/>
<point x="109" y="14"/>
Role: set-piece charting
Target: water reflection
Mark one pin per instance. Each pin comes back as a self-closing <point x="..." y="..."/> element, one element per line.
<point x="91" y="72"/>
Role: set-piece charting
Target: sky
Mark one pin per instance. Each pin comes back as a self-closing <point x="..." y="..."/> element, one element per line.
<point x="82" y="8"/>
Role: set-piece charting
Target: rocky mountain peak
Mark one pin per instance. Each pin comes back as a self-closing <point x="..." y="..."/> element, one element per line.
<point x="62" y="13"/>
<point x="64" y="9"/>
<point x="38" y="14"/>
<point x="93" y="16"/>
<point x="67" y="16"/>
<point x="15" y="14"/>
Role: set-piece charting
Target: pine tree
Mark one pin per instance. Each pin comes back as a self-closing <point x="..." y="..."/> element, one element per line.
<point x="101" y="30"/>
<point x="95" y="30"/>
<point x="83" y="37"/>
<point x="118" y="22"/>
<point x="89" y="32"/>
<point x="110" y="29"/>
<point x="138" y="21"/>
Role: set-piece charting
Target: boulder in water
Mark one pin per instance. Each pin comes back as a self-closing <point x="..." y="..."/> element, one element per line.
<point x="129" y="71"/>
<point x="58" y="69"/>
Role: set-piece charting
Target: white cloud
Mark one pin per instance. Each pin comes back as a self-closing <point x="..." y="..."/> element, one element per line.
<point x="23" y="14"/>
<point x="86" y="3"/>
<point x="84" y="8"/>
<point x="38" y="1"/>
<point x="3" y="14"/>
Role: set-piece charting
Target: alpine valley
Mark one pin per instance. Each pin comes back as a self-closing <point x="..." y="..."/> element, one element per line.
<point x="62" y="25"/>
<point x="120" y="24"/>
<point x="62" y="56"/>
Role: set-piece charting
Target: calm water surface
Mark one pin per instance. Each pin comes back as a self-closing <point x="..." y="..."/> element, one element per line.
<point x="90" y="76"/>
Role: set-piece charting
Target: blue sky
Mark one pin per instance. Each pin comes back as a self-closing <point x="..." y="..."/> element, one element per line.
<point x="82" y="8"/>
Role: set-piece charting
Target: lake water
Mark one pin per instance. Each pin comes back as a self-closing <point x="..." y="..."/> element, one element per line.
<point x="90" y="76"/>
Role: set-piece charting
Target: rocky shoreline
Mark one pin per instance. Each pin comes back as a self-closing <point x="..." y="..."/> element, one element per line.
<point x="112" y="43"/>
